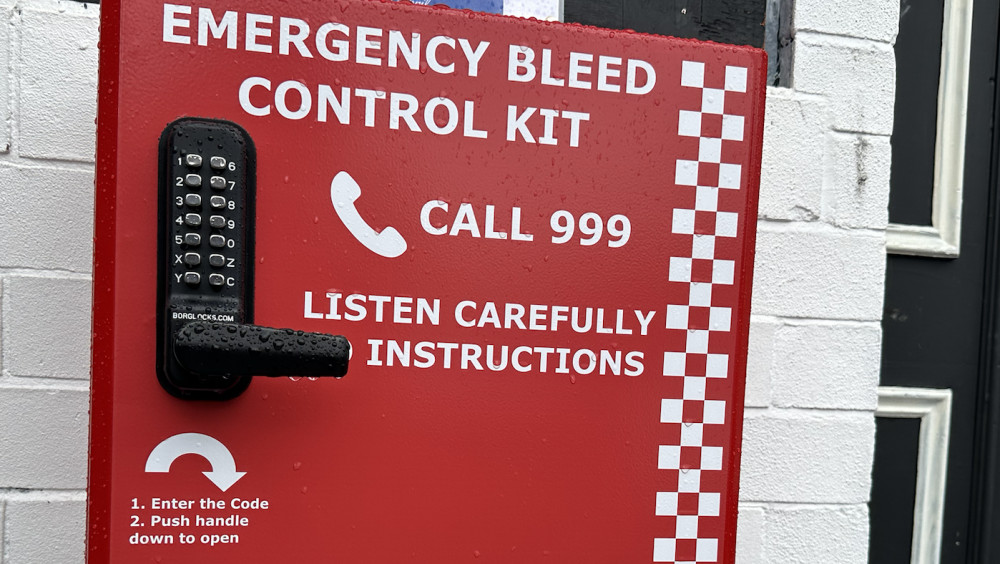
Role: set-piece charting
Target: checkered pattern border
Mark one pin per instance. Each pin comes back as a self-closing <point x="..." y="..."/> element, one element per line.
<point x="708" y="266"/>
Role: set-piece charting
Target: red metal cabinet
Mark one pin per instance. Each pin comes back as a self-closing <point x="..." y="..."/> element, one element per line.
<point x="537" y="237"/>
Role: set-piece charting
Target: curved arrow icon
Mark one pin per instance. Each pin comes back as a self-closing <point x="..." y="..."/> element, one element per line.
<point x="223" y="473"/>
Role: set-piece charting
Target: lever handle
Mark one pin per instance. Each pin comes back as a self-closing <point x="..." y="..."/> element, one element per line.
<point x="208" y="347"/>
<point x="234" y="349"/>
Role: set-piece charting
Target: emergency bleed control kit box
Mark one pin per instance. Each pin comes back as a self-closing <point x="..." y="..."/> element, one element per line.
<point x="378" y="282"/>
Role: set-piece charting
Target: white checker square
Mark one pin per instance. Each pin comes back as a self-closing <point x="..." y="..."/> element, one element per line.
<point x="736" y="79"/>
<point x="713" y="101"/>
<point x="697" y="341"/>
<point x="689" y="481"/>
<point x="687" y="173"/>
<point x="669" y="457"/>
<point x="692" y="74"/>
<point x="717" y="366"/>
<point x="692" y="435"/>
<point x="689" y="123"/>
<point x="673" y="363"/>
<point x="708" y="550"/>
<point x="671" y="410"/>
<point x="703" y="247"/>
<point x="726" y="223"/>
<point x="723" y="271"/>
<point x="666" y="503"/>
<point x="709" y="150"/>
<point x="714" y="412"/>
<point x="687" y="526"/>
<point x="664" y="550"/>
<point x="720" y="319"/>
<point x="677" y="317"/>
<point x="701" y="294"/>
<point x="706" y="199"/>
<point x="683" y="221"/>
<point x="709" y="504"/>
<point x="729" y="176"/>
<point x="711" y="458"/>
<point x="680" y="269"/>
<point x="732" y="127"/>
<point x="694" y="388"/>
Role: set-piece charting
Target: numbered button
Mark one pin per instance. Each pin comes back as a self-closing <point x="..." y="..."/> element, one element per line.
<point x="192" y="239"/>
<point x="192" y="181"/>
<point x="193" y="160"/>
<point x="216" y="241"/>
<point x="218" y="202"/>
<point x="217" y="221"/>
<point x="217" y="183"/>
<point x="218" y="163"/>
<point x="216" y="280"/>
<point x="192" y="278"/>
<point x="216" y="260"/>
<point x="192" y="219"/>
<point x="192" y="259"/>
<point x="193" y="200"/>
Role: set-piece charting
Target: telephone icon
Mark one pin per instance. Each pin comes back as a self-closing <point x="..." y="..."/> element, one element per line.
<point x="344" y="191"/>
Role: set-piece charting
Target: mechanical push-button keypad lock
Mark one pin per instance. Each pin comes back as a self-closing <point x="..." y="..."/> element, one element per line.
<point x="208" y="347"/>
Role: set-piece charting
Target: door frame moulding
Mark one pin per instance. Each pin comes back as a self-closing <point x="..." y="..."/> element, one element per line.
<point x="933" y="408"/>
<point x="943" y="237"/>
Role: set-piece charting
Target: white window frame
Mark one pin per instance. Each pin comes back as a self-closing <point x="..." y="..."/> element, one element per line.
<point x="943" y="237"/>
<point x="933" y="408"/>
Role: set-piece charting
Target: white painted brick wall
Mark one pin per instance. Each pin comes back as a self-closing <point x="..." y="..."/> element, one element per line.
<point x="6" y="15"/>
<point x="53" y="92"/>
<point x="751" y="534"/>
<point x="46" y="327"/>
<point x="807" y="456"/>
<point x="794" y="121"/>
<point x="43" y="437"/>
<point x="760" y="357"/>
<point x="839" y="370"/>
<point x="47" y="217"/>
<point x="868" y="19"/>
<point x="857" y="172"/>
<point x="815" y="338"/>
<point x="812" y="270"/>
<point x="856" y="76"/>
<point x="804" y="533"/>
<point x="814" y="342"/>
<point x="48" y="88"/>
<point x="45" y="529"/>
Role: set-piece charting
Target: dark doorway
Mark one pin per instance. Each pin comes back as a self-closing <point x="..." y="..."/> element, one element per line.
<point x="740" y="22"/>
<point x="939" y="323"/>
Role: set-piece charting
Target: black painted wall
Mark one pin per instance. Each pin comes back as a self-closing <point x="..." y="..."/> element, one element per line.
<point x="739" y="22"/>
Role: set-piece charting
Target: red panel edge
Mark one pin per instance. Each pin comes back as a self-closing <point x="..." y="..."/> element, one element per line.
<point x="743" y="323"/>
<point x="102" y="337"/>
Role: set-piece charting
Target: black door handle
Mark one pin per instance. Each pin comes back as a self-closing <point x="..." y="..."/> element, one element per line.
<point x="208" y="347"/>
<point x="231" y="349"/>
